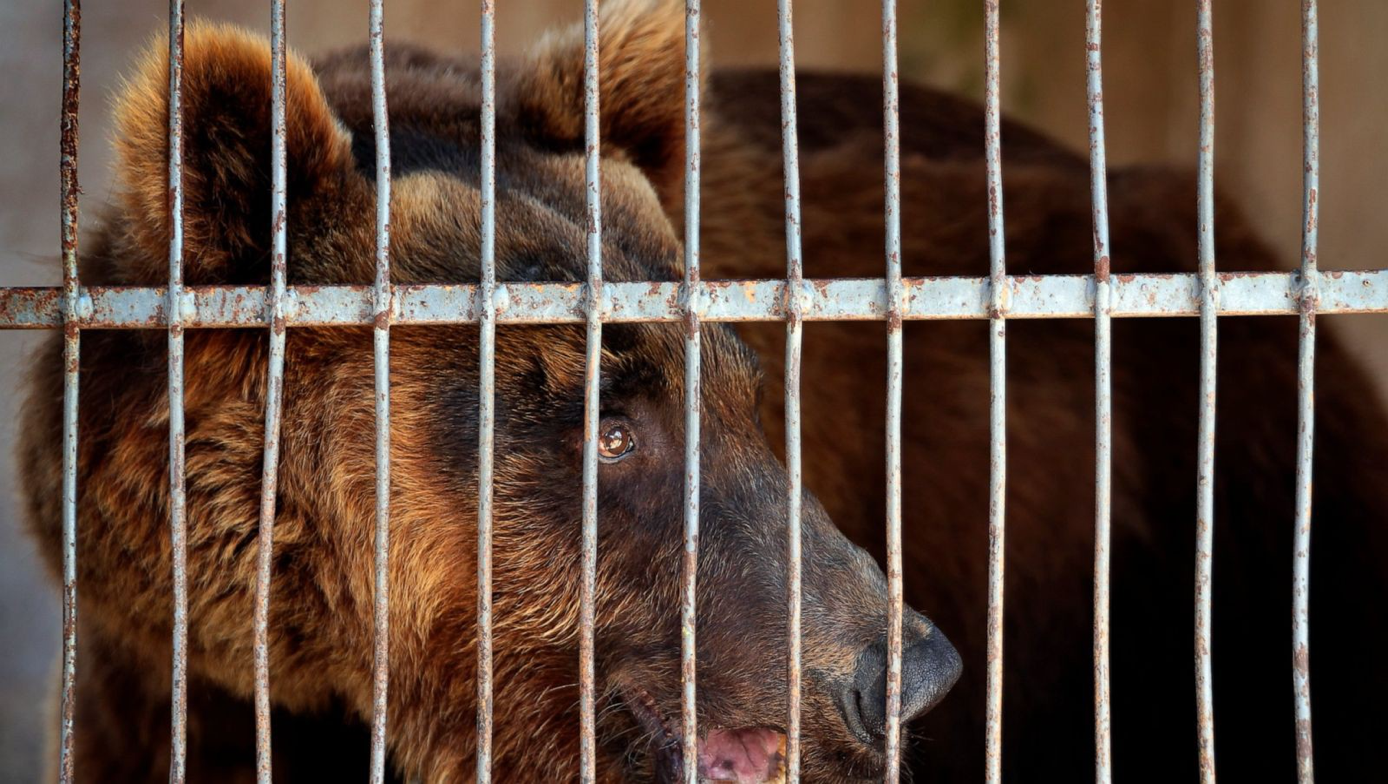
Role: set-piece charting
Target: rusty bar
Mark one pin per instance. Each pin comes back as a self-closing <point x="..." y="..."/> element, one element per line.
<point x="1209" y="298"/>
<point x="273" y="394"/>
<point x="591" y="411"/>
<point x="794" y="306"/>
<point x="891" y="135"/>
<point x="997" y="374"/>
<point x="1306" y="390"/>
<point x="486" y="395"/>
<point x="72" y="82"/>
<point x="1159" y="295"/>
<point x="175" y="308"/>
<point x="1103" y="394"/>
<point x="381" y="318"/>
<point x="689" y="722"/>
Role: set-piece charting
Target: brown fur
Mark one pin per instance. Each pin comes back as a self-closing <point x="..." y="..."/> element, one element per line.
<point x="1048" y="700"/>
<point x="321" y="606"/>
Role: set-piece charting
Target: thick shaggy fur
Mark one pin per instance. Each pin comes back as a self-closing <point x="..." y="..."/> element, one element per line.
<point x="321" y="606"/>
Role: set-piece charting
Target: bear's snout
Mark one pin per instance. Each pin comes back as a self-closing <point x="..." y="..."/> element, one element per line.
<point x="930" y="666"/>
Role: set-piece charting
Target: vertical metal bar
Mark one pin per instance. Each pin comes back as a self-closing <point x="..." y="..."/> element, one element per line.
<point x="891" y="114"/>
<point x="177" y="520"/>
<point x="381" y="346"/>
<point x="1209" y="293"/>
<point x="72" y="80"/>
<point x="1103" y="394"/>
<point x="486" y="396"/>
<point x="275" y="377"/>
<point x="591" y="411"/>
<point x="795" y="272"/>
<point x="692" y="394"/>
<point x="997" y="414"/>
<point x="1306" y="391"/>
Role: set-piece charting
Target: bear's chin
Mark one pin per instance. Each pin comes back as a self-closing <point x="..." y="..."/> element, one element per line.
<point x="748" y="755"/>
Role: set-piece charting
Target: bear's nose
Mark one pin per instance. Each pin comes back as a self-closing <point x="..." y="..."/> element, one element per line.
<point x="929" y="667"/>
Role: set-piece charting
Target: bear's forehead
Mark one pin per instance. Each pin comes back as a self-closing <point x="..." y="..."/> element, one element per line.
<point x="541" y="209"/>
<point x="541" y="228"/>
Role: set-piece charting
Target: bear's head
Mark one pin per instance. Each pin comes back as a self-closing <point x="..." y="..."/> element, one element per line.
<point x="321" y="603"/>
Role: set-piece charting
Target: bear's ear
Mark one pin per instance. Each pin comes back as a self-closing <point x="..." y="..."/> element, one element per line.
<point x="641" y="85"/>
<point x="225" y="98"/>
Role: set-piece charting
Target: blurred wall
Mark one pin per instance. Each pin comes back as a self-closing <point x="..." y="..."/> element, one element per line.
<point x="1150" y="107"/>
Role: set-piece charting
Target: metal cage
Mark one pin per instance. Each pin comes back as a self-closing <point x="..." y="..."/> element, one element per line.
<point x="996" y="297"/>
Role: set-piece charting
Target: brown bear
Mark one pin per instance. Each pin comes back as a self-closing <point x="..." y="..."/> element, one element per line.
<point x="321" y="602"/>
<point x="321" y="648"/>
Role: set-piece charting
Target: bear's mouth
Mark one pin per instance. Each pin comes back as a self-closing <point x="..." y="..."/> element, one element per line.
<point x="747" y="755"/>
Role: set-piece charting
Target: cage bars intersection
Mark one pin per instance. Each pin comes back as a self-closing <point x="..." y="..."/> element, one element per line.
<point x="892" y="299"/>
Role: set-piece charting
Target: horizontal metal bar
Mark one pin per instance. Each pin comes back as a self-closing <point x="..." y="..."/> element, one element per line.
<point x="865" y="299"/>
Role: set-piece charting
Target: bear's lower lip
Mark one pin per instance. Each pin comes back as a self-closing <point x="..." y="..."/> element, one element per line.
<point x="747" y="755"/>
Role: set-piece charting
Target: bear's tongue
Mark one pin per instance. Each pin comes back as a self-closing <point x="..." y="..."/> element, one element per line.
<point x="747" y="756"/>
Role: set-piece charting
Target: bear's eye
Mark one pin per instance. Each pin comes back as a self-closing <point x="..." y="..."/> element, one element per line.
<point x="615" y="442"/>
